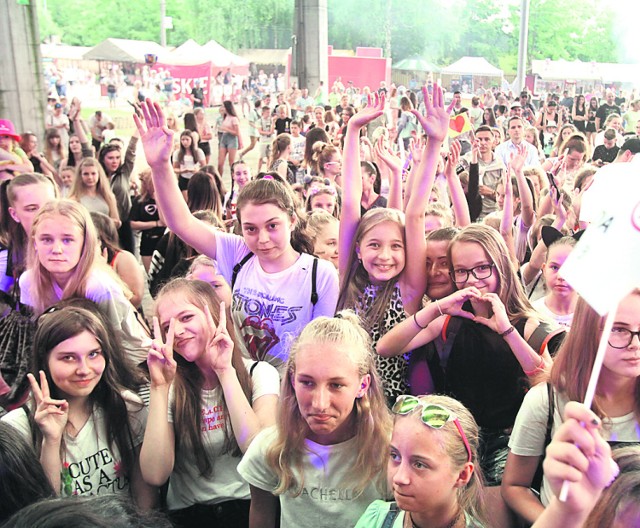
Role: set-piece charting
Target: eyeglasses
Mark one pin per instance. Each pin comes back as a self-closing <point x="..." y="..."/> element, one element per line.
<point x="333" y="163"/>
<point x="621" y="337"/>
<point x="433" y="415"/>
<point x="483" y="271"/>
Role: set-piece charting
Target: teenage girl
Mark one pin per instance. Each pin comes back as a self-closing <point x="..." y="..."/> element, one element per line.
<point x="205" y="269"/>
<point x="323" y="197"/>
<point x="591" y="120"/>
<point x="323" y="462"/>
<point x="91" y="188"/>
<point x="204" y="133"/>
<point x="145" y="218"/>
<point x="63" y="262"/>
<point x="323" y="229"/>
<point x="432" y="468"/>
<point x="121" y="261"/>
<point x="616" y="401"/>
<point x="327" y="161"/>
<point x="274" y="276"/>
<point x="240" y="176"/>
<point x="383" y="255"/>
<point x="230" y="139"/>
<point x="187" y="160"/>
<point x="22" y="198"/>
<point x="560" y="301"/>
<point x="86" y="427"/>
<point x="279" y="161"/>
<point x="207" y="403"/>
<point x="53" y="148"/>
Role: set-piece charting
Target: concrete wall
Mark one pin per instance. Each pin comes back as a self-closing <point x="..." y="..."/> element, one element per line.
<point x="311" y="31"/>
<point x="22" y="94"/>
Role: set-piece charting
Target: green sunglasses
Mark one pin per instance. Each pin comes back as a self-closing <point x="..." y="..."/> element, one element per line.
<point x="433" y="415"/>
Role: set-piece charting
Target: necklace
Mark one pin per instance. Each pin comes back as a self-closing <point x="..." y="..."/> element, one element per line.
<point x="450" y="525"/>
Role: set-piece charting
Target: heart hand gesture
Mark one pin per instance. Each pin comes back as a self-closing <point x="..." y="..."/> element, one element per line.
<point x="51" y="415"/>
<point x="452" y="304"/>
<point x="156" y="138"/>
<point x="162" y="366"/>
<point x="220" y="345"/>
<point x="499" y="321"/>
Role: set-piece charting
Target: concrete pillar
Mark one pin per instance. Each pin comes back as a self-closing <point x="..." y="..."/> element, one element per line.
<point x="311" y="44"/>
<point x="22" y="93"/>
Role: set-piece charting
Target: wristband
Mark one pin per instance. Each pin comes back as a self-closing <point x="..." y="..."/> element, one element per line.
<point x="508" y="331"/>
<point x="537" y="369"/>
<point x="438" y="306"/>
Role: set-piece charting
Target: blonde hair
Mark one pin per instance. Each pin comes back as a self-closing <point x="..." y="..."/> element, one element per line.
<point x="42" y="289"/>
<point x="371" y="417"/>
<point x="510" y="289"/>
<point x="357" y="279"/>
<point x="441" y="211"/>
<point x="470" y="497"/>
<point x="319" y="191"/>
<point x="317" y="220"/>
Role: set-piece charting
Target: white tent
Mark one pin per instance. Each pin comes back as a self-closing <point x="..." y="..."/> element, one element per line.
<point x="122" y="50"/>
<point x="222" y="57"/>
<point x="477" y="66"/>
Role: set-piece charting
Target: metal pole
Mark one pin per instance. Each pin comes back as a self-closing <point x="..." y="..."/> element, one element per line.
<point x="163" y="29"/>
<point x="522" y="46"/>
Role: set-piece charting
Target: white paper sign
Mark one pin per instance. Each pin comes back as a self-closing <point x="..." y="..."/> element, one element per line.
<point x="605" y="265"/>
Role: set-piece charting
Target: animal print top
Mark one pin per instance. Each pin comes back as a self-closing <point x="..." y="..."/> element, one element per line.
<point x="392" y="371"/>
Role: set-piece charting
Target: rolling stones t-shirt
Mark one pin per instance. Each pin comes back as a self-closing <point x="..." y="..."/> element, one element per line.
<point x="270" y="309"/>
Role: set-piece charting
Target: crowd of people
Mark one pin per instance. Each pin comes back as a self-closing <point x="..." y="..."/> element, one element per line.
<point x="367" y="329"/>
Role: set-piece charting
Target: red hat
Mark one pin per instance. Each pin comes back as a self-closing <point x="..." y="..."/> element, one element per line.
<point x="7" y="129"/>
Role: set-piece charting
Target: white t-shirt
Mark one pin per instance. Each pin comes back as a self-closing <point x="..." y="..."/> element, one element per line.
<point x="90" y="465"/>
<point x="563" y="320"/>
<point x="271" y="309"/>
<point x="325" y="501"/>
<point x="186" y="485"/>
<point x="103" y="290"/>
<point x="527" y="438"/>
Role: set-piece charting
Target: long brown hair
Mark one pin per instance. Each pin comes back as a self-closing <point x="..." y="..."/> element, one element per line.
<point x="371" y="416"/>
<point x="187" y="416"/>
<point x="573" y="363"/>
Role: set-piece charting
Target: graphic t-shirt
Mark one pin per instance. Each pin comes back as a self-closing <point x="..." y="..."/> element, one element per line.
<point x="326" y="499"/>
<point x="271" y="309"/>
<point x="186" y="485"/>
<point x="90" y="466"/>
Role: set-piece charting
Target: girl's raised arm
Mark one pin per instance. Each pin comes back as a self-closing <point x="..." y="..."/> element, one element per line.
<point x="393" y="165"/>
<point x="157" y="141"/>
<point x="506" y="223"/>
<point x="435" y="124"/>
<point x="459" y="200"/>
<point x="246" y="421"/>
<point x="352" y="179"/>
<point x="157" y="455"/>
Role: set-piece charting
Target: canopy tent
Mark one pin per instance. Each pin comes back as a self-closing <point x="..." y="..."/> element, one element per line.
<point x="222" y="57"/>
<point x="415" y="63"/>
<point x="476" y="66"/>
<point x="123" y="50"/>
<point x="585" y="71"/>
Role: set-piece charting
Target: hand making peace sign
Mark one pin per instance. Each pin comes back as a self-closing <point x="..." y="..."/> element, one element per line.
<point x="50" y="415"/>
<point x="162" y="366"/>
<point x="220" y="345"/>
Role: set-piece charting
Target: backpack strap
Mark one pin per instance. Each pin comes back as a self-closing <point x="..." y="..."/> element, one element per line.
<point x="253" y="367"/>
<point x="542" y="335"/>
<point x="238" y="267"/>
<point x="314" y="275"/>
<point x="391" y="516"/>
<point x="449" y="330"/>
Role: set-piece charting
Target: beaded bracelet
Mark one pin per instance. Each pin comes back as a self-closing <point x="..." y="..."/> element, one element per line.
<point x="507" y="332"/>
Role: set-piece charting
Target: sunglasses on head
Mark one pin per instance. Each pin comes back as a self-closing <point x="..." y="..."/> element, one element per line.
<point x="434" y="415"/>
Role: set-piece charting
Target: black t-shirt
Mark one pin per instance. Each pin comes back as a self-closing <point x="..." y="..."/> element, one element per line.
<point x="37" y="166"/>
<point x="606" y="155"/>
<point x="198" y="93"/>
<point x="283" y="125"/>
<point x="605" y="111"/>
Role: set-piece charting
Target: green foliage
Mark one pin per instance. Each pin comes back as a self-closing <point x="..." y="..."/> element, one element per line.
<point x="441" y="31"/>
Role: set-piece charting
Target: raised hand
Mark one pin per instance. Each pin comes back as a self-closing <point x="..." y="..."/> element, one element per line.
<point x="220" y="344"/>
<point x="518" y="158"/>
<point x="579" y="455"/>
<point x="416" y="146"/>
<point x="51" y="415"/>
<point x="499" y="321"/>
<point x="373" y="110"/>
<point x="559" y="209"/>
<point x="162" y="366"/>
<point x="436" y="122"/>
<point x="156" y="138"/>
<point x="386" y="156"/>
<point x="452" y="160"/>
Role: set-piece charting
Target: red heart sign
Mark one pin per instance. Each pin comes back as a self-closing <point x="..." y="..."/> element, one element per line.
<point x="457" y="123"/>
